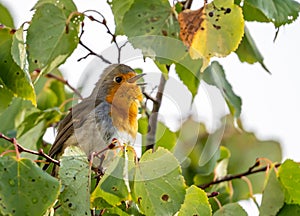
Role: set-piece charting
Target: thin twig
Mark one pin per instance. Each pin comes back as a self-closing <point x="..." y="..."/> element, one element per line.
<point x="60" y="79"/>
<point x="120" y="49"/>
<point x="188" y="4"/>
<point x="20" y="149"/>
<point x="213" y="194"/>
<point x="104" y="23"/>
<point x="250" y="171"/>
<point x="149" y="97"/>
<point x="91" y="52"/>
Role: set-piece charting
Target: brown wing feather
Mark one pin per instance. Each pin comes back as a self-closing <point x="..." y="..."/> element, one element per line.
<point x="77" y="115"/>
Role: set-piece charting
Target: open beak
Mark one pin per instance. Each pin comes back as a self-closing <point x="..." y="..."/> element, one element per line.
<point x="135" y="78"/>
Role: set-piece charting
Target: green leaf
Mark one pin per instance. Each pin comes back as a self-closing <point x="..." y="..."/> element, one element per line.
<point x="289" y="175"/>
<point x="5" y="17"/>
<point x="11" y="118"/>
<point x="25" y="187"/>
<point x="114" y="211"/>
<point x="6" y="96"/>
<point x="231" y="209"/>
<point x="224" y="153"/>
<point x="163" y="68"/>
<point x="165" y="137"/>
<point x="214" y="75"/>
<point x="277" y="11"/>
<point x="288" y="210"/>
<point x="273" y="195"/>
<point x="166" y="50"/>
<point x="252" y="13"/>
<point x="143" y="125"/>
<point x="248" y="51"/>
<point x="114" y="185"/>
<point x="13" y="77"/>
<point x="18" y="50"/>
<point x="191" y="142"/>
<point x="51" y="38"/>
<point x="245" y="148"/>
<point x="14" y="115"/>
<point x="195" y="203"/>
<point x="74" y="174"/>
<point x="150" y="18"/>
<point x="188" y="71"/>
<point x="158" y="188"/>
<point x="67" y="6"/>
<point x="50" y="92"/>
<point x="32" y="129"/>
<point x="119" y="8"/>
<point x="150" y="26"/>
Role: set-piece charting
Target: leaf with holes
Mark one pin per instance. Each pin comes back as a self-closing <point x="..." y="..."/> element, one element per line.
<point x="159" y="187"/>
<point x="213" y="30"/>
<point x="25" y="187"/>
<point x="67" y="6"/>
<point x="52" y="36"/>
<point x="195" y="203"/>
<point x="114" y="185"/>
<point x="150" y="18"/>
<point x="147" y="24"/>
<point x="13" y="77"/>
<point x="74" y="174"/>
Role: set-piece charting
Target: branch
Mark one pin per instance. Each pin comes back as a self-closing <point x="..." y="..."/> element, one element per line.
<point x="149" y="97"/>
<point x="154" y="114"/>
<point x="60" y="79"/>
<point x="250" y="171"/>
<point x="213" y="194"/>
<point x="104" y="23"/>
<point x="20" y="149"/>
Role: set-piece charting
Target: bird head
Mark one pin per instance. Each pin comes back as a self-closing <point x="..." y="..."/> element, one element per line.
<point x="119" y="82"/>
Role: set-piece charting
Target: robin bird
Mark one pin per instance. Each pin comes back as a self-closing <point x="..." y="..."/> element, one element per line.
<point x="108" y="114"/>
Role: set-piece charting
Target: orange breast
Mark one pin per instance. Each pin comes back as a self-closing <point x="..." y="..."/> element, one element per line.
<point x="124" y="100"/>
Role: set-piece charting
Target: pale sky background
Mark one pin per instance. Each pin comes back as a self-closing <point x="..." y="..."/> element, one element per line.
<point x="271" y="103"/>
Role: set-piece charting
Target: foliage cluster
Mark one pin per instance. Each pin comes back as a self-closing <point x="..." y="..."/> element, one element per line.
<point x="209" y="179"/>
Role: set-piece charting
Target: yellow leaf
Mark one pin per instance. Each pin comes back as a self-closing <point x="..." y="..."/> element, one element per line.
<point x="213" y="30"/>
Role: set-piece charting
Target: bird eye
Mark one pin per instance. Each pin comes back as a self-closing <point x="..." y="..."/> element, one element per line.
<point x="118" y="79"/>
